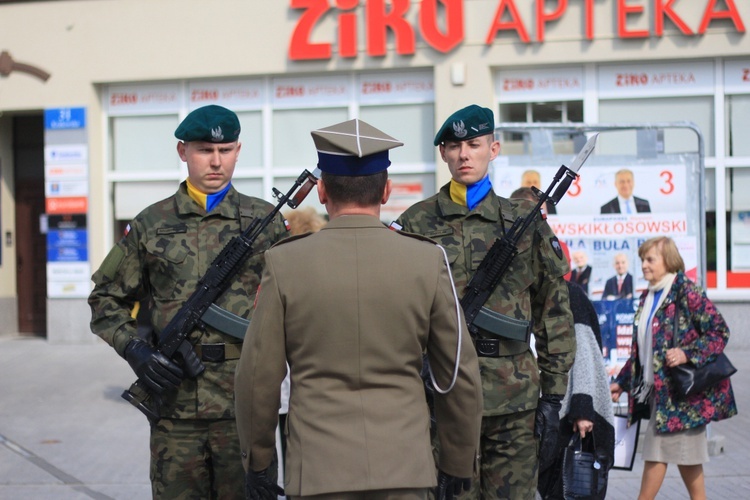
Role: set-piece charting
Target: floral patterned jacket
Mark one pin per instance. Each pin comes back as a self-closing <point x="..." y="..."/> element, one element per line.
<point x="691" y="319"/>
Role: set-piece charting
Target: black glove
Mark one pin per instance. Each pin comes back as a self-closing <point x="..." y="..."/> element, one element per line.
<point x="153" y="368"/>
<point x="449" y="486"/>
<point x="547" y="428"/>
<point x="258" y="486"/>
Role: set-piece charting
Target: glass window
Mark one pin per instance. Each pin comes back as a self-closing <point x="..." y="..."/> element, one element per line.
<point x="739" y="122"/>
<point x="739" y="228"/>
<point x="663" y="109"/>
<point x="292" y="143"/>
<point x="539" y="112"/>
<point x="132" y="197"/>
<point x="145" y="143"/>
<point x="251" y="137"/>
<point x="411" y="124"/>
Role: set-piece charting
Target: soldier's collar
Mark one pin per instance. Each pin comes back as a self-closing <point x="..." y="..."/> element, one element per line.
<point x="226" y="208"/>
<point x="488" y="208"/>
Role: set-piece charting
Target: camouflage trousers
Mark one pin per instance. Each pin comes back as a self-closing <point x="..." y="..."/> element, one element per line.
<point x="508" y="458"/>
<point x="196" y="459"/>
<point x="397" y="494"/>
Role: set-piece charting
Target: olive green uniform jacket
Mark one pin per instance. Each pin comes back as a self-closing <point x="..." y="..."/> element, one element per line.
<point x="352" y="308"/>
<point x="532" y="289"/>
<point x="168" y="248"/>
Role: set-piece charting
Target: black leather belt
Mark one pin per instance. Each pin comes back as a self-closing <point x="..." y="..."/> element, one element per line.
<point x="216" y="353"/>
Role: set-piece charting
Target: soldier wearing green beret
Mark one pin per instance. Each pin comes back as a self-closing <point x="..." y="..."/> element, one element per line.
<point x="521" y="396"/>
<point x="351" y="308"/>
<point x="165" y="251"/>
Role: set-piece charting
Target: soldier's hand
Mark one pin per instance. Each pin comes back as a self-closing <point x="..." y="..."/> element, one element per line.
<point x="153" y="368"/>
<point x="547" y="428"/>
<point x="449" y="486"/>
<point x="258" y="486"/>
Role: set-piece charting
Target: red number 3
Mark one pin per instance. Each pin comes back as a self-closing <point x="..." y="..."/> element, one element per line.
<point x="575" y="187"/>
<point x="668" y="187"/>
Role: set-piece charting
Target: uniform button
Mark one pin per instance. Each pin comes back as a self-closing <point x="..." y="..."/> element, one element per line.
<point x="244" y="454"/>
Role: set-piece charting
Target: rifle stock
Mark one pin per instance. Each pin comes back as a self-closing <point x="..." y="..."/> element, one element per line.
<point x="173" y="341"/>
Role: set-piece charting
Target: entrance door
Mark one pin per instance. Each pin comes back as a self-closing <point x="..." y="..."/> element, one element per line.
<point x="31" y="244"/>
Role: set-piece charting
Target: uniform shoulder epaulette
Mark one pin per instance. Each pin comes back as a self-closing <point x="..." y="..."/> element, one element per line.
<point x="291" y="238"/>
<point x="416" y="236"/>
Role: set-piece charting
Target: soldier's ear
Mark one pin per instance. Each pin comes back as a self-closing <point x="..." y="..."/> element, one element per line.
<point x="322" y="194"/>
<point x="387" y="192"/>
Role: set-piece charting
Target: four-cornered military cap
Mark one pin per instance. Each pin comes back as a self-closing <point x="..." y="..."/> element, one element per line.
<point x="353" y="148"/>
<point x="210" y="124"/>
<point x="467" y="123"/>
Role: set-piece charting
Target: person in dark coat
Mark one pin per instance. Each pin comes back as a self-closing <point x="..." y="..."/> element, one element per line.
<point x="586" y="406"/>
<point x="619" y="286"/>
<point x="581" y="273"/>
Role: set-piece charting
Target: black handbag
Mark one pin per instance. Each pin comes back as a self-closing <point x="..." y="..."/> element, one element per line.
<point x="689" y="380"/>
<point x="584" y="470"/>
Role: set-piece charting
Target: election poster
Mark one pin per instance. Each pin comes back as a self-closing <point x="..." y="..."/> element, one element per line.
<point x="605" y="216"/>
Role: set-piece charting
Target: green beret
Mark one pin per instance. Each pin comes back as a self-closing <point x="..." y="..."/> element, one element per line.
<point x="210" y="124"/>
<point x="467" y="123"/>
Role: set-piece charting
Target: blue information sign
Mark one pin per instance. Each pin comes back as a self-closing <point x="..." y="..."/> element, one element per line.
<point x="67" y="245"/>
<point x="64" y="118"/>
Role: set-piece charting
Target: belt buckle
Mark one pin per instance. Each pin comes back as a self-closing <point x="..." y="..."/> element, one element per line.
<point x="487" y="348"/>
<point x="213" y="353"/>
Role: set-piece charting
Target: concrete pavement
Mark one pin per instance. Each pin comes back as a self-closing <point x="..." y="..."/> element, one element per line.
<point x="66" y="434"/>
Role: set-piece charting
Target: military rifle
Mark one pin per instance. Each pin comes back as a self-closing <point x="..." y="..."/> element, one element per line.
<point x="500" y="256"/>
<point x="173" y="341"/>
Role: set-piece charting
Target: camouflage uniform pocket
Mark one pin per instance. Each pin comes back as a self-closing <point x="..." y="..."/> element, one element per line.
<point x="166" y="265"/>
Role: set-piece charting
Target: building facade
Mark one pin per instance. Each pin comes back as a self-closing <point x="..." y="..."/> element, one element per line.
<point x="92" y="90"/>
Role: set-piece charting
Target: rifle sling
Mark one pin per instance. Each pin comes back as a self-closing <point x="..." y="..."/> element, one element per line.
<point x="225" y="322"/>
<point x="503" y="326"/>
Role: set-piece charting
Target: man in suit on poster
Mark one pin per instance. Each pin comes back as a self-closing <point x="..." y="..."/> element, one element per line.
<point x="619" y="286"/>
<point x="581" y="273"/>
<point x="625" y="202"/>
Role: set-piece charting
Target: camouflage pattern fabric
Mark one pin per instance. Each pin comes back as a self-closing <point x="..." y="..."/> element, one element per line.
<point x="179" y="452"/>
<point x="166" y="251"/>
<point x="533" y="289"/>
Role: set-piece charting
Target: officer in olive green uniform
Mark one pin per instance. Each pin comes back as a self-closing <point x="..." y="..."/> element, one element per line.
<point x="165" y="251"/>
<point x="352" y="307"/>
<point x="466" y="217"/>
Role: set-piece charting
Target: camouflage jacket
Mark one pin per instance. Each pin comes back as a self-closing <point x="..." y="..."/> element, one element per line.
<point x="168" y="248"/>
<point x="532" y="289"/>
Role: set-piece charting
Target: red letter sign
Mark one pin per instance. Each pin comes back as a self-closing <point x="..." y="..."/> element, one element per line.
<point x="378" y="21"/>
<point x="454" y="24"/>
<point x="542" y="17"/>
<point x="665" y="9"/>
<point x="622" y="12"/>
<point x="515" y="24"/>
<point x="730" y="13"/>
<point x="300" y="46"/>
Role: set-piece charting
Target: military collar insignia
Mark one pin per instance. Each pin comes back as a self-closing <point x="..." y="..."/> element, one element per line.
<point x="459" y="129"/>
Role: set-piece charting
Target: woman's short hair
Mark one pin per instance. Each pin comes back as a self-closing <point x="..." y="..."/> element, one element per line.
<point x="666" y="247"/>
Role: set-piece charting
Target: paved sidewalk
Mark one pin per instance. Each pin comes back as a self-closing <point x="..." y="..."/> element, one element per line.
<point x="65" y="433"/>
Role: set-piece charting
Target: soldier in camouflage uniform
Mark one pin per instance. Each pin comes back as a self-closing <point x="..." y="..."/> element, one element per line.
<point x="466" y="217"/>
<point x="168" y="247"/>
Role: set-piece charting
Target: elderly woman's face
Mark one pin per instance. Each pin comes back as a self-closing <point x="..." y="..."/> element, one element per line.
<point x="653" y="266"/>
